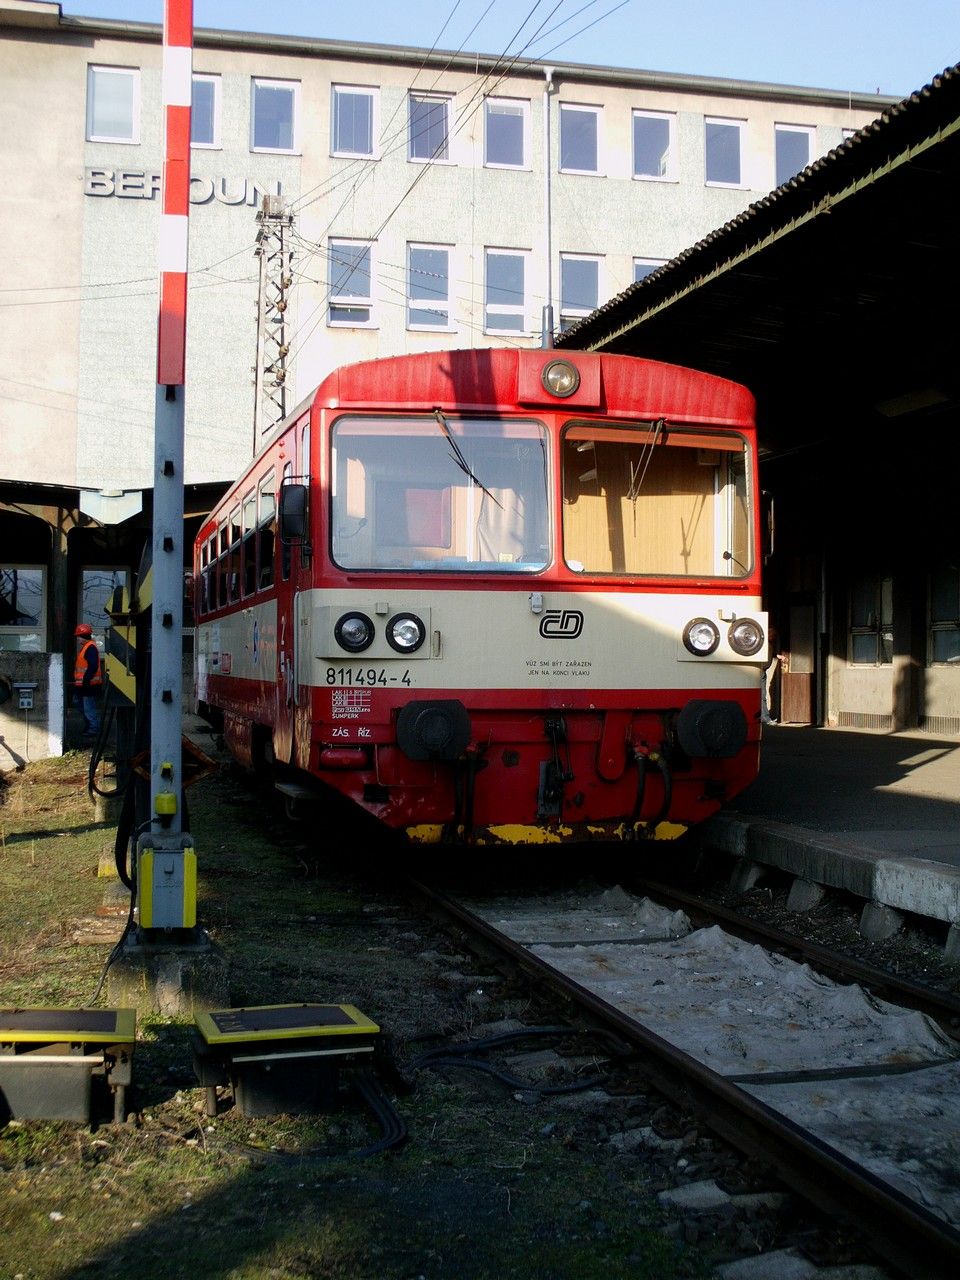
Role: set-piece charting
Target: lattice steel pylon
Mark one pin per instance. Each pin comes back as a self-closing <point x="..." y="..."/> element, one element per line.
<point x="275" y="251"/>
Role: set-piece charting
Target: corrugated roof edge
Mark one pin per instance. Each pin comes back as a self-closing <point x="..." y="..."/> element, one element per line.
<point x="898" y="128"/>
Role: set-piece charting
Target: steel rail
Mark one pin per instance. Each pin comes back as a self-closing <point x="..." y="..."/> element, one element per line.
<point x="941" y="1005"/>
<point x="899" y="1230"/>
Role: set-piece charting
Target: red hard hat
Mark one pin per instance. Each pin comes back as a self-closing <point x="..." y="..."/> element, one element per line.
<point x="83" y="629"/>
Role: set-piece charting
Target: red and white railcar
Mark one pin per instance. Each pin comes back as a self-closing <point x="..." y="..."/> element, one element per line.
<point x="496" y="595"/>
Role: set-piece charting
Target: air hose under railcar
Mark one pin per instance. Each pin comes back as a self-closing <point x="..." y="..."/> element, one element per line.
<point x="643" y="759"/>
<point x="464" y="790"/>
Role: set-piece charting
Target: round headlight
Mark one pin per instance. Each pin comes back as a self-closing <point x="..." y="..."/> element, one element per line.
<point x="405" y="633"/>
<point x="701" y="636"/>
<point x="354" y="632"/>
<point x="746" y="637"/>
<point x="560" y="378"/>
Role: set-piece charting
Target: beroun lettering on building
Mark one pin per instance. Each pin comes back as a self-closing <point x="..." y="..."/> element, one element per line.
<point x="140" y="184"/>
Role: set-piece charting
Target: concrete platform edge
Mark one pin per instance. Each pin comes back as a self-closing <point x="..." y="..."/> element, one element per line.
<point x="924" y="888"/>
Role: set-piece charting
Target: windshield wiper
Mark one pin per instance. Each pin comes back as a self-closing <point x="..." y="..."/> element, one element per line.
<point x="459" y="459"/>
<point x="638" y="475"/>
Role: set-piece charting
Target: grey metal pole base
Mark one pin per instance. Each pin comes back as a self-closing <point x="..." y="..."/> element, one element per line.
<point x="170" y="978"/>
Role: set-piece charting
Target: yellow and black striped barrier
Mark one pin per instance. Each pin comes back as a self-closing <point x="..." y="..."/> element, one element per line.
<point x="126" y="615"/>
<point x="120" y="657"/>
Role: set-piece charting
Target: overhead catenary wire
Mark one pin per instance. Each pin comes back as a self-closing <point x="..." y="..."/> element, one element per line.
<point x="464" y="115"/>
<point x="193" y="285"/>
<point x="298" y="203"/>
<point x="116" y="284"/>
<point x="402" y="136"/>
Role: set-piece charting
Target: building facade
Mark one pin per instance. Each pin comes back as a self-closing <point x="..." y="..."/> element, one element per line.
<point x="412" y="194"/>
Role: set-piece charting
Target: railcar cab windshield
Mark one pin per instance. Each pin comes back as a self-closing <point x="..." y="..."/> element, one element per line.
<point x="445" y="494"/>
<point x="440" y="493"/>
<point x="655" y="499"/>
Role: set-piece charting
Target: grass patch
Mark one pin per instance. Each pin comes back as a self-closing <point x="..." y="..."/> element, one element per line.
<point x="488" y="1187"/>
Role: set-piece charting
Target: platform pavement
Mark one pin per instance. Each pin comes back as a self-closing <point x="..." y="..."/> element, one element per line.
<point x="877" y="814"/>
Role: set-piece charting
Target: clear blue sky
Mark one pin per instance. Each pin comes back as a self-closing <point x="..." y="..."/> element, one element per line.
<point x="866" y="46"/>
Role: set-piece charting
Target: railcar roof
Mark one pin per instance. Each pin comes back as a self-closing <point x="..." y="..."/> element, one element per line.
<point x="490" y="378"/>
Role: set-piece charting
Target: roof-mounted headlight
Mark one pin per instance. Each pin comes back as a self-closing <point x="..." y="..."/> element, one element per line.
<point x="560" y="378"/>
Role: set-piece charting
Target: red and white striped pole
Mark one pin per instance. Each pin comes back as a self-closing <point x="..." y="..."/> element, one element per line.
<point x="177" y="90"/>
<point x="166" y="882"/>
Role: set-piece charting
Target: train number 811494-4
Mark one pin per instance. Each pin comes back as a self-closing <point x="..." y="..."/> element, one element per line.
<point x="365" y="676"/>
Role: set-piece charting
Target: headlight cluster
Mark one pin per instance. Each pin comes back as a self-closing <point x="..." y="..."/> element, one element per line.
<point x="355" y="632"/>
<point x="701" y="636"/>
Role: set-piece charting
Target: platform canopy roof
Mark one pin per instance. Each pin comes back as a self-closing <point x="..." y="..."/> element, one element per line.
<point x="833" y="298"/>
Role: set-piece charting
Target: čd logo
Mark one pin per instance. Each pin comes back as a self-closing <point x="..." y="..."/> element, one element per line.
<point x="561" y="624"/>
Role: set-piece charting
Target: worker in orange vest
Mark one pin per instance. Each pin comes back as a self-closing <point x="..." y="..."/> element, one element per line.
<point x="87" y="679"/>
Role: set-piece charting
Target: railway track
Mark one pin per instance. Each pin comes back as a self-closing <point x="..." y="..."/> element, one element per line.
<point x="847" y="1097"/>
<point x="942" y="1006"/>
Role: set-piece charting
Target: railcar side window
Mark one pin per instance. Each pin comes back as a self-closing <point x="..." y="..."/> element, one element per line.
<point x="248" y="547"/>
<point x="285" y="556"/>
<point x="201" y="581"/>
<point x="233" y="568"/>
<point x="655" y="499"/>
<point x="208" y="590"/>
<point x="223" y="539"/>
<point x="440" y="493"/>
<point x="266" y="530"/>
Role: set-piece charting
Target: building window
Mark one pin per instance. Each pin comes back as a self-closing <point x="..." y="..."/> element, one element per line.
<point x="97" y="586"/>
<point x="722" y="146"/>
<point x="429" y="121"/>
<point x="945" y="614"/>
<point x="579" y="287"/>
<point x="428" y="287"/>
<point x="113" y="104"/>
<point x="653" y="145"/>
<point x="504" y="309"/>
<point x="579" y="138"/>
<point x="352" y="120"/>
<point x="205" y="112"/>
<point x="794" y="146"/>
<point x="871" y="621"/>
<point x="23" y="608"/>
<point x="506" y="130"/>
<point x="275" y="108"/>
<point x="349" y="278"/>
<point x="643" y="267"/>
